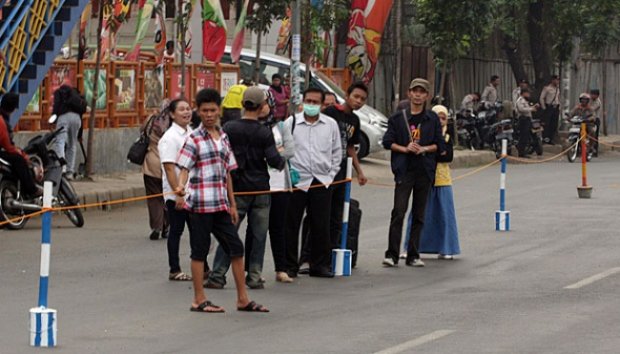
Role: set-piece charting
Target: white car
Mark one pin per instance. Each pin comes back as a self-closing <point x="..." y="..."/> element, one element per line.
<point x="372" y="122"/>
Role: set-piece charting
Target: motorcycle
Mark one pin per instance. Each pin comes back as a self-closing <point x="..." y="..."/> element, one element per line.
<point x="574" y="134"/>
<point x="466" y="130"/>
<point x="14" y="206"/>
<point x="500" y="131"/>
<point x="536" y="145"/>
<point x="484" y="120"/>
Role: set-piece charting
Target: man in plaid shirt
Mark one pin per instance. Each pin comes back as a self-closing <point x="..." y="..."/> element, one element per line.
<point x="208" y="156"/>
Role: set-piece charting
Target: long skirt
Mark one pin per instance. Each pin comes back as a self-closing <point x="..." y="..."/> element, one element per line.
<point x="440" y="233"/>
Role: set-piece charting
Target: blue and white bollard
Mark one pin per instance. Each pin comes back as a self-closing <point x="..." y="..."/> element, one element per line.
<point x="43" y="321"/>
<point x="341" y="257"/>
<point x="502" y="216"/>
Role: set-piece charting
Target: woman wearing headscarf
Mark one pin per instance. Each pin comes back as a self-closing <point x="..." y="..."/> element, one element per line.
<point x="155" y="127"/>
<point x="280" y="96"/>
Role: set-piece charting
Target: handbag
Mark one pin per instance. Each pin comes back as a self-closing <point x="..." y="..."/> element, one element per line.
<point x="137" y="151"/>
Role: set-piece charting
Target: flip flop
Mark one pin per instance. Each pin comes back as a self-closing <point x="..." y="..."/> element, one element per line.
<point x="202" y="308"/>
<point x="252" y="306"/>
<point x="180" y="276"/>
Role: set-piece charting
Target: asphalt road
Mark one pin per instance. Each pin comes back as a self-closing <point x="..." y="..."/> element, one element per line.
<point x="507" y="292"/>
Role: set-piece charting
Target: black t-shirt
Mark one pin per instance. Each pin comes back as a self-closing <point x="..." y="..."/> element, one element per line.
<point x="416" y="162"/>
<point x="254" y="149"/>
<point x="349" y="125"/>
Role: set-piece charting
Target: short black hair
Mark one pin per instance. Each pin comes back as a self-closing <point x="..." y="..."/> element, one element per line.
<point x="172" y="106"/>
<point x="329" y="93"/>
<point x="357" y="85"/>
<point x="525" y="90"/>
<point x="478" y="94"/>
<point x="595" y="92"/>
<point x="276" y="76"/>
<point x="315" y="89"/>
<point x="169" y="44"/>
<point x="9" y="102"/>
<point x="555" y="77"/>
<point x="251" y="107"/>
<point x="494" y="77"/>
<point x="208" y="95"/>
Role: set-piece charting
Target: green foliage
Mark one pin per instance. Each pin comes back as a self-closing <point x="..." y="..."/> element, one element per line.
<point x="600" y="25"/>
<point x="264" y="13"/>
<point x="452" y="27"/>
<point x="316" y="21"/>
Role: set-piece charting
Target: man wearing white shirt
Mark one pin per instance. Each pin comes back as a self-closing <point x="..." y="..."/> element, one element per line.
<point x="169" y="146"/>
<point x="318" y="153"/>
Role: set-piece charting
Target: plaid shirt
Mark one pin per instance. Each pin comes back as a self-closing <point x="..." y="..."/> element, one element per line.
<point x="207" y="184"/>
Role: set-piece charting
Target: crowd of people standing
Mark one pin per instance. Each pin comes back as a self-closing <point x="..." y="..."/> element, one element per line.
<point x="272" y="167"/>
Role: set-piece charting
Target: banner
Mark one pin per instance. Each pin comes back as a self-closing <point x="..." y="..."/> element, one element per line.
<point x="125" y="89"/>
<point x="160" y="31"/>
<point x="175" y="82"/>
<point x="284" y="35"/>
<point x="153" y="88"/>
<point x="188" y="10"/>
<point x="205" y="78"/>
<point x="239" y="36"/>
<point x="145" y="10"/>
<point x="213" y="30"/>
<point x="82" y="33"/>
<point x="89" y="80"/>
<point x="368" y="18"/>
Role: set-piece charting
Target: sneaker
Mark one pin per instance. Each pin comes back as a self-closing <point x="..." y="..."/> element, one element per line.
<point x="416" y="263"/>
<point x="445" y="256"/>
<point x="283" y="277"/>
<point x="388" y="263"/>
<point x="304" y="269"/>
<point x="154" y="235"/>
<point x="403" y="255"/>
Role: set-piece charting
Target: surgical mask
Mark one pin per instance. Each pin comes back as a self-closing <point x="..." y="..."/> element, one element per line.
<point x="312" y="110"/>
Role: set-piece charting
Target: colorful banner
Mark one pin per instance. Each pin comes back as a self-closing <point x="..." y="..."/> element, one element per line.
<point x="284" y="35"/>
<point x="145" y="10"/>
<point x="160" y="31"/>
<point x="188" y="10"/>
<point x="239" y="36"/>
<point x="213" y="30"/>
<point x="368" y="18"/>
<point x="82" y="44"/>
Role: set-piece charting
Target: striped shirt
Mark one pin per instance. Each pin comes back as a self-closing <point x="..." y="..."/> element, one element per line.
<point x="208" y="161"/>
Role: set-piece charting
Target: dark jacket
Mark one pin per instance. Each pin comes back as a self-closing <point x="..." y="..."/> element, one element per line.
<point x="254" y="149"/>
<point x="398" y="132"/>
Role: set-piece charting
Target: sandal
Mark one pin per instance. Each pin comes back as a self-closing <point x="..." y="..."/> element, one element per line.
<point x="204" y="308"/>
<point x="252" y="306"/>
<point x="180" y="276"/>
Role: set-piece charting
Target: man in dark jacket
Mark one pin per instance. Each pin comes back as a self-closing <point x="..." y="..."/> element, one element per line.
<point x="414" y="137"/>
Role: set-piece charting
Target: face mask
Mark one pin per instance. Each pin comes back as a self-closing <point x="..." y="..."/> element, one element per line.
<point x="312" y="110"/>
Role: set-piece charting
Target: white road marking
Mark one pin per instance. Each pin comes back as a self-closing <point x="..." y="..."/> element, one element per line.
<point x="416" y="342"/>
<point x="594" y="278"/>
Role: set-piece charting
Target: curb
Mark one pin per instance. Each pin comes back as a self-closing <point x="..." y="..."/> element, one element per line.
<point x="105" y="189"/>
<point x="462" y="158"/>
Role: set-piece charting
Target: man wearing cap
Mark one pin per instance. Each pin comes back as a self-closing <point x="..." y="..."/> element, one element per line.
<point x="550" y="105"/>
<point x="254" y="148"/>
<point x="414" y="137"/>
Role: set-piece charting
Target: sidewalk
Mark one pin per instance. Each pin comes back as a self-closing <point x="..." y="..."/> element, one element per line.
<point x="109" y="188"/>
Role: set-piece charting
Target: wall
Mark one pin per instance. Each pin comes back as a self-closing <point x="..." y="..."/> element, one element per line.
<point x="110" y="148"/>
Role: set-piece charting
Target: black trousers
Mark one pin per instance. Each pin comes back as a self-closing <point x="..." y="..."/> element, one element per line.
<point x="318" y="202"/>
<point x="176" y="221"/>
<point x="525" y="134"/>
<point x="19" y="167"/>
<point x="417" y="186"/>
<point x="550" y="121"/>
<point x="335" y="221"/>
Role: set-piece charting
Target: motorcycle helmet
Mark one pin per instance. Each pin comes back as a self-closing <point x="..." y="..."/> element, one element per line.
<point x="584" y="98"/>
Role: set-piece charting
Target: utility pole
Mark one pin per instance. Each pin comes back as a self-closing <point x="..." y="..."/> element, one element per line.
<point x="182" y="28"/>
<point x="296" y="55"/>
<point x="398" y="52"/>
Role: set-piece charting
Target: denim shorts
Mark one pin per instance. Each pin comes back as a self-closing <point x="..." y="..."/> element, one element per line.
<point x="222" y="227"/>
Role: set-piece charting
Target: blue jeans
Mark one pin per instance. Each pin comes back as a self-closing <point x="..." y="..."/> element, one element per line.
<point x="257" y="210"/>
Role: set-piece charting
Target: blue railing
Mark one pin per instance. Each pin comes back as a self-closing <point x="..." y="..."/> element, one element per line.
<point x="49" y="21"/>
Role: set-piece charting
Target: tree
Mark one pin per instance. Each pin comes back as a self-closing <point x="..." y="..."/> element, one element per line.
<point x="259" y="21"/>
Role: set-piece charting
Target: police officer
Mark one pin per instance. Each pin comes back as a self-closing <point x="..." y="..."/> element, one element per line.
<point x="550" y="104"/>
<point x="524" y="112"/>
<point x="489" y="95"/>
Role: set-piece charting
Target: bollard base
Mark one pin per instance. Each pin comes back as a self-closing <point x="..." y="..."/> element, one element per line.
<point x="584" y="192"/>
<point x="502" y="220"/>
<point x="341" y="262"/>
<point x="43" y="328"/>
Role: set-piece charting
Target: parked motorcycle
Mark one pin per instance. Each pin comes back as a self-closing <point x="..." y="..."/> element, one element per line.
<point x="573" y="137"/>
<point x="500" y="131"/>
<point x="466" y="130"/>
<point x="484" y="120"/>
<point x="14" y="206"/>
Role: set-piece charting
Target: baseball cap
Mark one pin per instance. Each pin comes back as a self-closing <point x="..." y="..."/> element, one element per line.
<point x="254" y="96"/>
<point x="420" y="83"/>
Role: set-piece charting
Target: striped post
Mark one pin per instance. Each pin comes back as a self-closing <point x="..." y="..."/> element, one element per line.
<point x="341" y="257"/>
<point x="584" y="191"/>
<point x="43" y="326"/>
<point x="502" y="216"/>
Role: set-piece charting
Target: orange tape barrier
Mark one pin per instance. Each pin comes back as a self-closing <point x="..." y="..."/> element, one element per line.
<point x="602" y="143"/>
